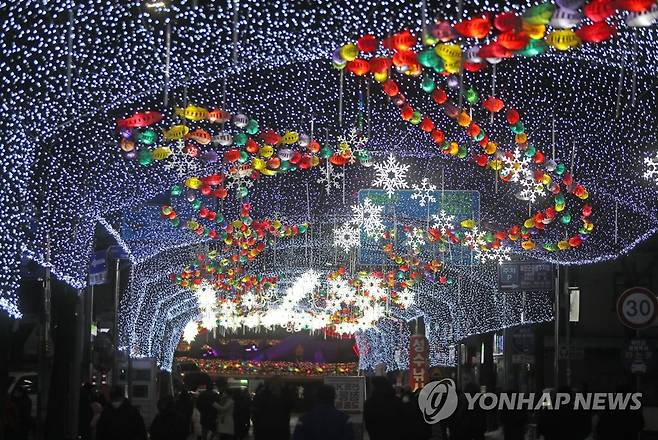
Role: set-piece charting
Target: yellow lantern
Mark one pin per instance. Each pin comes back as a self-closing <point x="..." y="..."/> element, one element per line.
<point x="563" y="39"/>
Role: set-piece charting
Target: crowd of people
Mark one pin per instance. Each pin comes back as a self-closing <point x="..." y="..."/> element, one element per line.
<point x="216" y="412"/>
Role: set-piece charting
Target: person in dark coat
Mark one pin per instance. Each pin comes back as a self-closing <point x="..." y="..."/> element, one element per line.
<point x="120" y="419"/>
<point x="168" y="424"/>
<point x="467" y="424"/>
<point x="324" y="422"/>
<point x="415" y="426"/>
<point x="18" y="415"/>
<point x="206" y="405"/>
<point x="241" y="419"/>
<point x="514" y="422"/>
<point x="383" y="412"/>
<point x="271" y="412"/>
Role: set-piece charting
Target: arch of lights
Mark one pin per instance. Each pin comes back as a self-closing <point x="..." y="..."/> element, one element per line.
<point x="594" y="106"/>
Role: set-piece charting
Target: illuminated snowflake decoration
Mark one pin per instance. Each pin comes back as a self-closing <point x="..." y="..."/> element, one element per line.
<point x="249" y="300"/>
<point x="239" y="179"/>
<point x="423" y="192"/>
<point x="474" y="239"/>
<point x="652" y="168"/>
<point x="373" y="286"/>
<point x="415" y="239"/>
<point x="530" y="188"/>
<point x="353" y="144"/>
<point x="499" y="255"/>
<point x="443" y="222"/>
<point x="391" y="176"/>
<point x="190" y="331"/>
<point x="330" y="179"/>
<point x="406" y="298"/>
<point x="182" y="163"/>
<point x="368" y="216"/>
<point x="340" y="290"/>
<point x="346" y="237"/>
<point x="515" y="165"/>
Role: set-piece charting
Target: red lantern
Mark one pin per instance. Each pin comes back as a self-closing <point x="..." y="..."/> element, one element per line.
<point x="473" y="130"/>
<point x="407" y="112"/>
<point x="539" y="157"/>
<point x="427" y="124"/>
<point x="596" y="33"/>
<point x="403" y="41"/>
<point x="473" y="67"/>
<point x="481" y="160"/>
<point x="493" y="104"/>
<point x="507" y="21"/>
<point x="439" y="96"/>
<point x="231" y="155"/>
<point x="575" y="241"/>
<point x="359" y="67"/>
<point x="599" y="10"/>
<point x="635" y="5"/>
<point x="513" y="116"/>
<point x="438" y="136"/>
<point x="478" y="27"/>
<point x="270" y="137"/>
<point x="405" y="58"/>
<point x="380" y="64"/>
<point x="367" y="43"/>
<point x="513" y="40"/>
<point x="494" y="50"/>
<point x="390" y="88"/>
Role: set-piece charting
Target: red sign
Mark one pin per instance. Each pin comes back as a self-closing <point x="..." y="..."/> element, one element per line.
<point x="418" y="362"/>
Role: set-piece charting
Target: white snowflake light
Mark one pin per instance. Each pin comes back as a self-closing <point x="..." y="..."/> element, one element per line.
<point x="652" y="168"/>
<point x="368" y="216"/>
<point x="474" y="239"/>
<point x="406" y="298"/>
<point x="373" y="286"/>
<point x="391" y="176"/>
<point x="515" y="165"/>
<point x="415" y="239"/>
<point x="330" y="179"/>
<point x="423" y="192"/>
<point x="530" y="188"/>
<point x="499" y="255"/>
<point x="190" y="331"/>
<point x="443" y="222"/>
<point x="354" y="142"/>
<point x="182" y="163"/>
<point x="346" y="237"/>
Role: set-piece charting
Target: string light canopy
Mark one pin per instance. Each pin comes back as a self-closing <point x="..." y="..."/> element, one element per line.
<point x="73" y="69"/>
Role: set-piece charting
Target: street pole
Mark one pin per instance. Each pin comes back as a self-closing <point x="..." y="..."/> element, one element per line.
<point x="556" y="336"/>
<point x="567" y="301"/>
<point x="115" y="364"/>
<point x="76" y="366"/>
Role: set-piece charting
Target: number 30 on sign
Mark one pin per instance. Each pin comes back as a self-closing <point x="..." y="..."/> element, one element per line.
<point x="637" y="307"/>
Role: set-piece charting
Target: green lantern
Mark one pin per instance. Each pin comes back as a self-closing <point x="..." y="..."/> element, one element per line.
<point x="428" y="84"/>
<point x="176" y="190"/>
<point x="145" y="157"/>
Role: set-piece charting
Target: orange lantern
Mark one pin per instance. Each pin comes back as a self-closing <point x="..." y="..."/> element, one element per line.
<point x="391" y="88"/>
<point x="599" y="10"/>
<point x="596" y="33"/>
<point x="478" y="27"/>
<point x="380" y="64"/>
<point x="493" y="104"/>
<point x="507" y="21"/>
<point x="367" y="43"/>
<point x="359" y="66"/>
<point x="513" y="40"/>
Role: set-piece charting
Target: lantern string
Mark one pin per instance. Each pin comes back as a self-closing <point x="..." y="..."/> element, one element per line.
<point x="493" y="87"/>
<point x="167" y="64"/>
<point x="621" y="83"/>
<point x="69" y="54"/>
<point x="340" y="98"/>
<point x="634" y="77"/>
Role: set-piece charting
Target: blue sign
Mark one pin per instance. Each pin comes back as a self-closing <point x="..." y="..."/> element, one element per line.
<point x="116" y="252"/>
<point x="401" y="209"/>
<point x="98" y="268"/>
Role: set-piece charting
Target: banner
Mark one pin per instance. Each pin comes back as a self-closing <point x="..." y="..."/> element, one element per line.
<point x="418" y="362"/>
<point x="98" y="268"/>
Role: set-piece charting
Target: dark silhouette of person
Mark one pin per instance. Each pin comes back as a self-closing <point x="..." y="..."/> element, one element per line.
<point x="382" y="412"/>
<point x="324" y="421"/>
<point x="413" y="422"/>
<point x="184" y="408"/>
<point x="241" y="418"/>
<point x="168" y="424"/>
<point x="271" y="412"/>
<point x="18" y="415"/>
<point x="467" y="424"/>
<point x="206" y="405"/>
<point x="120" y="419"/>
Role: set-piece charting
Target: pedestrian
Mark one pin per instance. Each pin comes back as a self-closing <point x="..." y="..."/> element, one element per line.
<point x="120" y="420"/>
<point x="383" y="412"/>
<point x="18" y="415"/>
<point x="168" y="424"/>
<point x="414" y="425"/>
<point x="186" y="409"/>
<point x="467" y="424"/>
<point x="205" y="404"/>
<point x="85" y="413"/>
<point x="241" y="414"/>
<point x="271" y="412"/>
<point x="324" y="421"/>
<point x="225" y="416"/>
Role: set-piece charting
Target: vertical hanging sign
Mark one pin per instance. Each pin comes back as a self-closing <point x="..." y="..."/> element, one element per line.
<point x="418" y="362"/>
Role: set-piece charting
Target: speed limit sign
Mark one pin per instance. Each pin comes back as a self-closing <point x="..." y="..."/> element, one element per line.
<point x="637" y="307"/>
